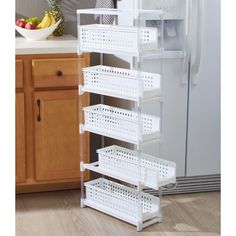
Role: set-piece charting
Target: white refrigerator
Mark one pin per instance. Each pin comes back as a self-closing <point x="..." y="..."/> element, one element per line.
<point x="191" y="88"/>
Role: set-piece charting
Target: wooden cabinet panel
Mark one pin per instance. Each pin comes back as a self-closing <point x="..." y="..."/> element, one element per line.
<point x="57" y="135"/>
<point x="47" y="150"/>
<point x="58" y="72"/>
<point x="19" y="74"/>
<point x="20" y="138"/>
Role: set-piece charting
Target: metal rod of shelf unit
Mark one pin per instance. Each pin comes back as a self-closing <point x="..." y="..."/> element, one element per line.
<point x="140" y="128"/>
<point x="102" y="96"/>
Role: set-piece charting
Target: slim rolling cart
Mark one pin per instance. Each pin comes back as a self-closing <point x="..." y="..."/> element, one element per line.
<point x="125" y="172"/>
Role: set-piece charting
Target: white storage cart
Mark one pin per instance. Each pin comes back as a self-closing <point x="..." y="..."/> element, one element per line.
<point x="133" y="169"/>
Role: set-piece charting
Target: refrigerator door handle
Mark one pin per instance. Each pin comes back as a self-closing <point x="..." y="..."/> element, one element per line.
<point x="185" y="65"/>
<point x="196" y="64"/>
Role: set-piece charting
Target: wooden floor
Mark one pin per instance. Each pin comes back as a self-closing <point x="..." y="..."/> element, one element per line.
<point x="59" y="214"/>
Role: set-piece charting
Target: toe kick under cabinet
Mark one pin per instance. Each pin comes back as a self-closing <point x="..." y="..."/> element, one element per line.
<point x="47" y="122"/>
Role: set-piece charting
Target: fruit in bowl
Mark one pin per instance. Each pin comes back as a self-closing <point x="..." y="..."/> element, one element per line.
<point x="47" y="21"/>
<point x="34" y="29"/>
<point x="21" y="23"/>
<point x="33" y="20"/>
<point x="30" y="26"/>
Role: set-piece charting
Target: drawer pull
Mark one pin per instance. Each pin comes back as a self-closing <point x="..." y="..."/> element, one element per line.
<point x="59" y="73"/>
<point x="39" y="115"/>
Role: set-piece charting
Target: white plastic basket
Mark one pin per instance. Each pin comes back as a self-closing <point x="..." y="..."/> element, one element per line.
<point x="121" y="83"/>
<point x="120" y="124"/>
<point x="118" y="161"/>
<point x="116" y="39"/>
<point x="120" y="201"/>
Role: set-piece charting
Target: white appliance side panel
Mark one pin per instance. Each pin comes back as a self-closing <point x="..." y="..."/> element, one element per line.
<point x="203" y="150"/>
<point x="173" y="9"/>
<point x="174" y="115"/>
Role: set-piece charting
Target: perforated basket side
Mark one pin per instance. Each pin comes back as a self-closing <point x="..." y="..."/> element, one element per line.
<point x="122" y="83"/>
<point x="115" y="38"/>
<point x="119" y="122"/>
<point x="150" y="80"/>
<point x="118" y="197"/>
<point x="125" y="162"/>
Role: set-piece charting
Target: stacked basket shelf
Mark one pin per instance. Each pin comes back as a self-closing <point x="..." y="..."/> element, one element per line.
<point x="130" y="204"/>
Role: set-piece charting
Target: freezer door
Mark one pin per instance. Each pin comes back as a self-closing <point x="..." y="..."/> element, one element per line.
<point x="203" y="140"/>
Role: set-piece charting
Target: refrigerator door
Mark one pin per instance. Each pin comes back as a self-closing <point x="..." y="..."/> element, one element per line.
<point x="174" y="80"/>
<point x="174" y="115"/>
<point x="203" y="140"/>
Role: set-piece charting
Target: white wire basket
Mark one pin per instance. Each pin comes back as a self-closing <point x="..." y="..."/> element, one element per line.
<point x="120" y="124"/>
<point x="123" y="164"/>
<point x="120" y="201"/>
<point x="113" y="39"/>
<point x="121" y="83"/>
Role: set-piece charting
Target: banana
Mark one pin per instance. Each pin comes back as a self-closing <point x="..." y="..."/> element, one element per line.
<point x="53" y="21"/>
<point x="46" y="21"/>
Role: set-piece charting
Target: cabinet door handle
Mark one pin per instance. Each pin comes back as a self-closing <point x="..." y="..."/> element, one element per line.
<point x="59" y="73"/>
<point x="39" y="110"/>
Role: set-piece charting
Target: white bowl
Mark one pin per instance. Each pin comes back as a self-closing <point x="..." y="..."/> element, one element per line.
<point x="37" y="34"/>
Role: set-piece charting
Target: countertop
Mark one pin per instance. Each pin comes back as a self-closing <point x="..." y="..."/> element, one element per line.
<point x="64" y="44"/>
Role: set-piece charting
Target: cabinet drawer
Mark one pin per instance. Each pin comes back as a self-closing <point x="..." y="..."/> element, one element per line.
<point x="57" y="72"/>
<point x="19" y="74"/>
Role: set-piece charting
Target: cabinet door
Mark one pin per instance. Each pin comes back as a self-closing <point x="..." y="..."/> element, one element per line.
<point x="19" y="74"/>
<point x="57" y="136"/>
<point x="203" y="150"/>
<point x="20" y="138"/>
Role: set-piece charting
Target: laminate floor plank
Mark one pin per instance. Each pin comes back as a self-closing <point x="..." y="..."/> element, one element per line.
<point x="58" y="213"/>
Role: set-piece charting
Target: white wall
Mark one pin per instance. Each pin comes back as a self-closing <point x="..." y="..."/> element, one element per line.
<point x="26" y="8"/>
<point x="31" y="7"/>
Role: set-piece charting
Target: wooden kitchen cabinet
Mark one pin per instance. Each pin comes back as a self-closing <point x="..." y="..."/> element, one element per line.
<point x="57" y="135"/>
<point x="20" y="138"/>
<point x="47" y="116"/>
<point x="19" y="74"/>
<point x="59" y="72"/>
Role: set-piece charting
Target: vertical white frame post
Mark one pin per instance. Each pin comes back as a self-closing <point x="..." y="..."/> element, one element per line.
<point x="81" y="146"/>
<point x="102" y="96"/>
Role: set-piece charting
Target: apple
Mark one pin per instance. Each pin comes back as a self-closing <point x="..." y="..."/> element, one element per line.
<point x="30" y="26"/>
<point x="21" y="23"/>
